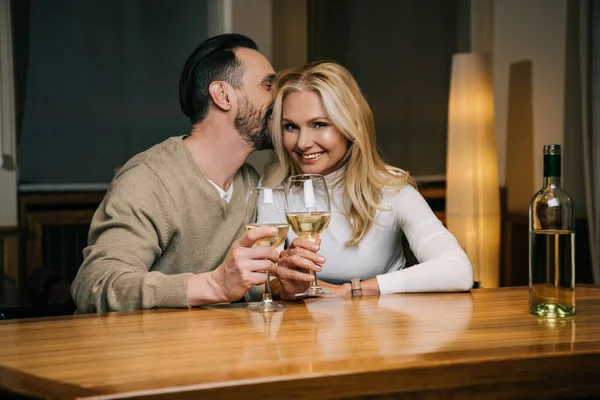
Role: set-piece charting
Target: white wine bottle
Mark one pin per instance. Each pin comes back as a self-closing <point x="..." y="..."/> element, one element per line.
<point x="551" y="244"/>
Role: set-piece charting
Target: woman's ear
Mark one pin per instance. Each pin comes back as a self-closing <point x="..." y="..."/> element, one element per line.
<point x="219" y="95"/>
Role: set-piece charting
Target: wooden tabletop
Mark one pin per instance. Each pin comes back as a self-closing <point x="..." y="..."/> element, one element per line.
<point x="482" y="344"/>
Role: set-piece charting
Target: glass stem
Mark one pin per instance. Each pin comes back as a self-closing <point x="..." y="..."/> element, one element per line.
<point x="315" y="282"/>
<point x="267" y="297"/>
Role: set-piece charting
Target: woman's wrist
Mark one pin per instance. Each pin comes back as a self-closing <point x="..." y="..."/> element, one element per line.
<point x="370" y="287"/>
<point x="346" y="290"/>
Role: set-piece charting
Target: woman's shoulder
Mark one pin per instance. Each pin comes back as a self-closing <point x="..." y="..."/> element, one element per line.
<point x="397" y="180"/>
<point x="390" y="169"/>
<point x="396" y="193"/>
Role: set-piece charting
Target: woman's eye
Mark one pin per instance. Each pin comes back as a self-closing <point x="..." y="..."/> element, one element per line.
<point x="290" y="127"/>
<point x="320" y="124"/>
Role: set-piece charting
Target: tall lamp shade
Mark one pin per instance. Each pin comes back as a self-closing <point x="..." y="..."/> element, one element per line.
<point x="472" y="190"/>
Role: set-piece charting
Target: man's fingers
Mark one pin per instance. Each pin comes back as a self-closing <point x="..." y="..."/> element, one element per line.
<point x="259" y="266"/>
<point x="259" y="253"/>
<point x="253" y="235"/>
<point x="257" y="278"/>
<point x="255" y="253"/>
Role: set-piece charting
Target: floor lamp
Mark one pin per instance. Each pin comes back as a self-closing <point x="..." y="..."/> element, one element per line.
<point x="472" y="191"/>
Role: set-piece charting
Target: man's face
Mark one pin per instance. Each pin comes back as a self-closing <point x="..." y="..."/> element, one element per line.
<point x="255" y="100"/>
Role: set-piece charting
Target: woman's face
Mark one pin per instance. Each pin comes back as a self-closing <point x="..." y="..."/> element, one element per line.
<point x="309" y="136"/>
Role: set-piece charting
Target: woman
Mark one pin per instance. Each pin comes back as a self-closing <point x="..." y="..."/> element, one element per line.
<point x="322" y="124"/>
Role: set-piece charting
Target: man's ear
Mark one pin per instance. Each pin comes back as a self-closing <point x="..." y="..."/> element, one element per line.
<point x="219" y="93"/>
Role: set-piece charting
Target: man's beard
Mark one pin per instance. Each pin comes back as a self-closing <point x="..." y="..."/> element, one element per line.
<point x="254" y="127"/>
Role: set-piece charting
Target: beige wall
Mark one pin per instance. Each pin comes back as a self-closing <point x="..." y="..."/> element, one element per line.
<point x="277" y="26"/>
<point x="534" y="31"/>
<point x="253" y="18"/>
<point x="289" y="33"/>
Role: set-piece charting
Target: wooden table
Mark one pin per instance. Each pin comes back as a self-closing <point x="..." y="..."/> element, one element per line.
<point x="481" y="345"/>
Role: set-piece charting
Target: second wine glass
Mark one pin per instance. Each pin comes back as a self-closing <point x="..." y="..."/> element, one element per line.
<point x="267" y="207"/>
<point x="308" y="214"/>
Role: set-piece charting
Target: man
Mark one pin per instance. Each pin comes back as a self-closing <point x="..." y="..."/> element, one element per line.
<point x="162" y="236"/>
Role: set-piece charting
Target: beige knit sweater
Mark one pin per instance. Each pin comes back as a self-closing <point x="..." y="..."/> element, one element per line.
<point x="160" y="221"/>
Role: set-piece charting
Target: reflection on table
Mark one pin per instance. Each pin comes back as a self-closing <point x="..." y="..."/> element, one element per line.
<point x="426" y="345"/>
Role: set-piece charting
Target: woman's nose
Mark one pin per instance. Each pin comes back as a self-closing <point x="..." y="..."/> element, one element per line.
<point x="304" y="140"/>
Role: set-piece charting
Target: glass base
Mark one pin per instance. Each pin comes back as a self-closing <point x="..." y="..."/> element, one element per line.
<point x="314" y="291"/>
<point x="552" y="310"/>
<point x="266" y="306"/>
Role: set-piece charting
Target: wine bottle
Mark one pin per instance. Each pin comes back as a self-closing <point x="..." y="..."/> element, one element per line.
<point x="551" y="244"/>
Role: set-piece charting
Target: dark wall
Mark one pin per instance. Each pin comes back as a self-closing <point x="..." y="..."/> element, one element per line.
<point x="97" y="82"/>
<point x="400" y="53"/>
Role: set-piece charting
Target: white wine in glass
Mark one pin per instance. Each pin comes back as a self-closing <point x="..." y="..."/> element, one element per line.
<point x="273" y="241"/>
<point x="267" y="207"/>
<point x="308" y="214"/>
<point x="308" y="225"/>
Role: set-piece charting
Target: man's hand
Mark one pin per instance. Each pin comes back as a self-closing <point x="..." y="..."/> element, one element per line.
<point x="294" y="266"/>
<point x="242" y="268"/>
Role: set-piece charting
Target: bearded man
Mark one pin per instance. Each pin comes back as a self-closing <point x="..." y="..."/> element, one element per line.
<point x="170" y="230"/>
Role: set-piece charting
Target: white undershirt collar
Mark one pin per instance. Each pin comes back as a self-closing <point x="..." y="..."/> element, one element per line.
<point x="225" y="195"/>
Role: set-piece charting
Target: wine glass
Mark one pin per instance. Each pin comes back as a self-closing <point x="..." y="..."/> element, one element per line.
<point x="266" y="206"/>
<point x="308" y="215"/>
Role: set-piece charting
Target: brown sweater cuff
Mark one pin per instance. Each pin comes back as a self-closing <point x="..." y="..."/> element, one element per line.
<point x="168" y="291"/>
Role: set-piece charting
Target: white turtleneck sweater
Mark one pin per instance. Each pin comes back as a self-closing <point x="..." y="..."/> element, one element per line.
<point x="443" y="265"/>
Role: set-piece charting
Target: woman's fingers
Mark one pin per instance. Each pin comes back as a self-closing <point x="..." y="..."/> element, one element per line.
<point x="301" y="261"/>
<point x="310" y="245"/>
<point x="287" y="274"/>
<point x="316" y="258"/>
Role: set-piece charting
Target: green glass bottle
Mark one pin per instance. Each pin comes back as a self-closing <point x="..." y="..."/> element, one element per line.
<point x="551" y="244"/>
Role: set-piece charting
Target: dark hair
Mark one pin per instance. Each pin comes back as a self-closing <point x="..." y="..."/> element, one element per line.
<point x="213" y="60"/>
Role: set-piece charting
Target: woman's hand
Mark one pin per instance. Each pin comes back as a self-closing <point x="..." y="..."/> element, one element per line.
<point x="344" y="290"/>
<point x="301" y="256"/>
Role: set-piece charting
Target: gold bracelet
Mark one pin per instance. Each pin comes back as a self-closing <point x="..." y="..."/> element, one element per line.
<point x="356" y="287"/>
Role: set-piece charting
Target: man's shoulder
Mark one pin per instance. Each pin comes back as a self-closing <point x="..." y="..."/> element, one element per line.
<point x="250" y="174"/>
<point x="167" y="151"/>
<point x="145" y="169"/>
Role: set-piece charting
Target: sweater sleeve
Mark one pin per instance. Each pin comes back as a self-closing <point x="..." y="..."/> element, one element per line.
<point x="129" y="231"/>
<point x="443" y="265"/>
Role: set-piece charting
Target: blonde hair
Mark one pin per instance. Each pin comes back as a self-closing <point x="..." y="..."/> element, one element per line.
<point x="366" y="175"/>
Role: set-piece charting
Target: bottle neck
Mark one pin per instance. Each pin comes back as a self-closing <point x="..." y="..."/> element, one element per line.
<point x="552" y="182"/>
<point x="552" y="171"/>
